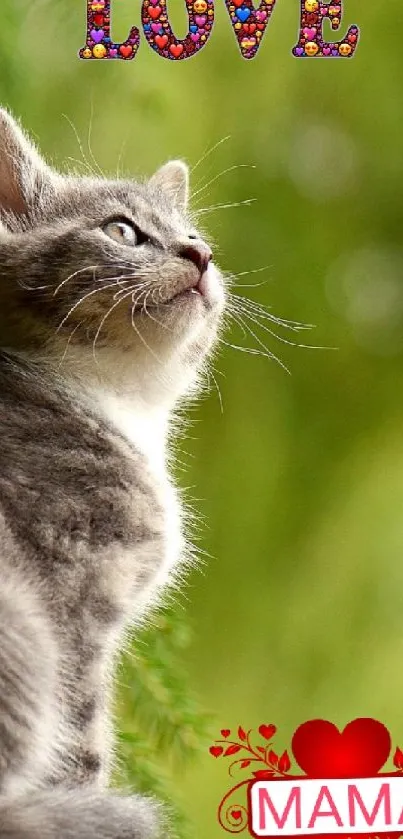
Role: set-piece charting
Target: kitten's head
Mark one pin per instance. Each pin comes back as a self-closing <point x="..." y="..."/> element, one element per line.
<point x="106" y="275"/>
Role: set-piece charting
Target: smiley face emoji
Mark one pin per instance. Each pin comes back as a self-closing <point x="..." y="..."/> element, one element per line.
<point x="311" y="5"/>
<point x="99" y="51"/>
<point x="311" y="48"/>
<point x="200" y="6"/>
<point x="345" y="50"/>
<point x="87" y="53"/>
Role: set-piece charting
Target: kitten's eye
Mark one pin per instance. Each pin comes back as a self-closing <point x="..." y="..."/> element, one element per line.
<point x="123" y="232"/>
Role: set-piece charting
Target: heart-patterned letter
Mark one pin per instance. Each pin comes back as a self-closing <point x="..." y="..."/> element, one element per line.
<point x="99" y="44"/>
<point x="159" y="33"/>
<point x="311" y="43"/>
<point x="249" y="24"/>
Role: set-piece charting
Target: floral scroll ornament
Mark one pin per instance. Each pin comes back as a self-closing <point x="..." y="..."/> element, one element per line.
<point x="231" y="816"/>
<point x="319" y="749"/>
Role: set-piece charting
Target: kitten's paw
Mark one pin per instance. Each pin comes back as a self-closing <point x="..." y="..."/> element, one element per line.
<point x="137" y="817"/>
<point x="82" y="813"/>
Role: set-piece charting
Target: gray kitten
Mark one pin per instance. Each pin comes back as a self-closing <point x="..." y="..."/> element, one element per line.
<point x="109" y="305"/>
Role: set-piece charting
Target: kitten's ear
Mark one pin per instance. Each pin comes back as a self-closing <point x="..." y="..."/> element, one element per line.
<point x="173" y="180"/>
<point x="23" y="173"/>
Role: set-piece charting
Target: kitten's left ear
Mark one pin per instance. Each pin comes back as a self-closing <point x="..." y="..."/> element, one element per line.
<point x="23" y="173"/>
<point x="173" y="180"/>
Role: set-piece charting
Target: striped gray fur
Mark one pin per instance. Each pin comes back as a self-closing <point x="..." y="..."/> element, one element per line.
<point x="100" y="341"/>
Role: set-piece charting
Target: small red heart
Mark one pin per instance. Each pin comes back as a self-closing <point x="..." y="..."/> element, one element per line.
<point x="225" y="732"/>
<point x="352" y="39"/>
<point x="161" y="41"/>
<point x="236" y="814"/>
<point x="267" y="731"/>
<point x="125" y="50"/>
<point x="360" y="751"/>
<point x="154" y="12"/>
<point x="216" y="751"/>
<point x="176" y="50"/>
<point x="238" y="3"/>
<point x="250" y="28"/>
<point x="98" y="20"/>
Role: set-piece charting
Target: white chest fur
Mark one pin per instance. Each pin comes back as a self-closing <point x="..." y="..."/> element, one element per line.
<point x="147" y="430"/>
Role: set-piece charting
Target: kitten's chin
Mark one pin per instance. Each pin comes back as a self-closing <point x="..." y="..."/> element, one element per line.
<point x="174" y="339"/>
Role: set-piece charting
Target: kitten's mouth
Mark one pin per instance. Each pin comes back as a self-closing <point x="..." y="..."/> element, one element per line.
<point x="201" y="289"/>
<point x="207" y="289"/>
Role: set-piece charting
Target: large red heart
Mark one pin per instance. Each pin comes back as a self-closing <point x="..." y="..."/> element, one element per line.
<point x="360" y="751"/>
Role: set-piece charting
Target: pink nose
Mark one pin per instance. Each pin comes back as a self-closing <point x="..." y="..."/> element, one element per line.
<point x="197" y="252"/>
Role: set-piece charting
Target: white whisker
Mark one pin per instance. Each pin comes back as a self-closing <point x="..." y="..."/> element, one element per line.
<point x="265" y="349"/>
<point x="221" y="174"/>
<point x="231" y="277"/>
<point x="80" y="145"/>
<point x="68" y="342"/>
<point x="105" y="318"/>
<point x="281" y="339"/>
<point x="209" y="152"/>
<point x="86" y="296"/>
<point x="147" y="313"/>
<point x="250" y="351"/>
<point x="210" y="373"/>
<point x="76" y="273"/>
<point x="140" y="336"/>
<point x="262" y="312"/>
<point x="89" y="142"/>
<point x="204" y="210"/>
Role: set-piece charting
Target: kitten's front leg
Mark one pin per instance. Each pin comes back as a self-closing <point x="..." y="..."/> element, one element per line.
<point x="29" y="718"/>
<point x="87" y="750"/>
<point x="89" y="760"/>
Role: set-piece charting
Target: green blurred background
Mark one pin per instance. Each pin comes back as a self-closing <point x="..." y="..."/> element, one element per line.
<point x="298" y="613"/>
